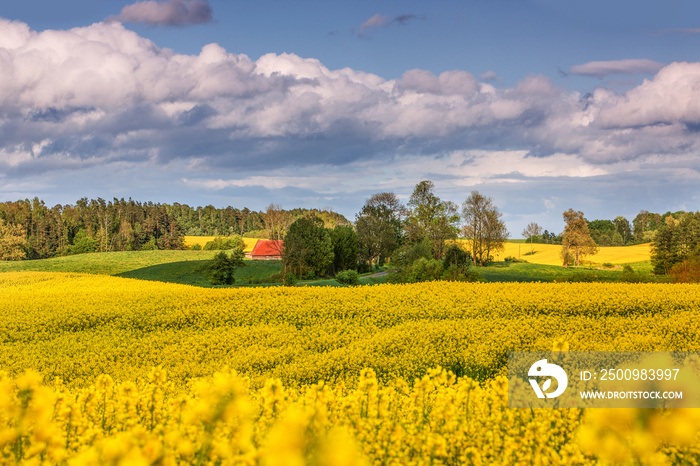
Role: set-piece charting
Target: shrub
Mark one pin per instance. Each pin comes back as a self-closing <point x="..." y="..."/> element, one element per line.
<point x="364" y="267"/>
<point x="515" y="259"/>
<point x="289" y="279"/>
<point x="150" y="245"/>
<point x="221" y="243"/>
<point x="609" y="265"/>
<point x="196" y="247"/>
<point x="457" y="274"/>
<point x="348" y="277"/>
<point x="454" y="255"/>
<point x="630" y="276"/>
<point x="410" y="253"/>
<point x="277" y="277"/>
<point x="424" y="270"/>
<point x="582" y="277"/>
<point x="687" y="271"/>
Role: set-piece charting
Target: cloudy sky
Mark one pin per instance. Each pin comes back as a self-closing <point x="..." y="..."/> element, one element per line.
<point x="543" y="105"/>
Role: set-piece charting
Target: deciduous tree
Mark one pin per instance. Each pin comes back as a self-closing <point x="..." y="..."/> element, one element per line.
<point x="379" y="227"/>
<point x="277" y="220"/>
<point x="308" y="248"/>
<point x="12" y="242"/>
<point x="430" y="218"/>
<point x="576" y="238"/>
<point x="483" y="227"/>
<point x="532" y="229"/>
<point x="222" y="269"/>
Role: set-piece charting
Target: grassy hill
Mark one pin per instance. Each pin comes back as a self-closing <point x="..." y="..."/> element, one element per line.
<point x="106" y="263"/>
<point x="165" y="266"/>
<point x="186" y="272"/>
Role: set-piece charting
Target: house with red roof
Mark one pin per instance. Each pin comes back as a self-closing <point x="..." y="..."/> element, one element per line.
<point x="266" y="250"/>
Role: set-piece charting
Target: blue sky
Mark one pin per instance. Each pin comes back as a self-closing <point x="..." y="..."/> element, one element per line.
<point x="543" y="105"/>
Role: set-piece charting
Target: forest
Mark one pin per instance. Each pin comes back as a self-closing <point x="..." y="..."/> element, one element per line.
<point x="96" y="225"/>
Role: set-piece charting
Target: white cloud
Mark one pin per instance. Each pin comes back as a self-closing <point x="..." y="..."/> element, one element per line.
<point x="601" y="69"/>
<point x="102" y="95"/>
<point x="670" y="98"/>
<point x="167" y="13"/>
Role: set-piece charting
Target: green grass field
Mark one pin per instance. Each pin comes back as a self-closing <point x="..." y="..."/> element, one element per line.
<point x="165" y="266"/>
<point x="187" y="273"/>
<point x="525" y="272"/>
<point x="105" y="263"/>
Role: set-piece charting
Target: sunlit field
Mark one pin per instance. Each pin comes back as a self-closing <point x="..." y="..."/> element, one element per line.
<point x="103" y="370"/>
<point x="549" y="254"/>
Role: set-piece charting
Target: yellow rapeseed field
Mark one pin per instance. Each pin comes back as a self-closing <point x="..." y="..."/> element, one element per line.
<point x="549" y="254"/>
<point x="104" y="370"/>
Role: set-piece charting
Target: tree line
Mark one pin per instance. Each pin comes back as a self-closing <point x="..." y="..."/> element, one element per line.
<point x="31" y="230"/>
<point x="36" y="231"/>
<point x="416" y="238"/>
<point x="616" y="232"/>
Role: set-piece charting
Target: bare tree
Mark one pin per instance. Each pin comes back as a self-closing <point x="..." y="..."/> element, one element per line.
<point x="483" y="227"/>
<point x="532" y="229"/>
<point x="277" y="221"/>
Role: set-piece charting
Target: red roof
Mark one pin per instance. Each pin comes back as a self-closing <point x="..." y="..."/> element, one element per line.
<point x="267" y="248"/>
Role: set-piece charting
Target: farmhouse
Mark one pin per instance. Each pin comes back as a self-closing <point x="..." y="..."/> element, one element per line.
<point x="266" y="250"/>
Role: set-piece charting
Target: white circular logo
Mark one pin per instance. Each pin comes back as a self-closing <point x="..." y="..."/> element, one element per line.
<point x="542" y="368"/>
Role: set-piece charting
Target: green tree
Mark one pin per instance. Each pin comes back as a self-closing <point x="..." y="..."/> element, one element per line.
<point x="404" y="257"/>
<point x="308" y="248"/>
<point x="12" y="242"/>
<point x="617" y="239"/>
<point x="345" y="248"/>
<point x="675" y="241"/>
<point x="222" y="269"/>
<point x="576" y="240"/>
<point x="379" y="227"/>
<point x="601" y="231"/>
<point x="622" y="226"/>
<point x="430" y="218"/>
<point x="644" y="224"/>
<point x="82" y="243"/>
<point x="483" y="227"/>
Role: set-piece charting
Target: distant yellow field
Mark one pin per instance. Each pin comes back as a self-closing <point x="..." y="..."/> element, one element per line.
<point x="202" y="240"/>
<point x="548" y="254"/>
